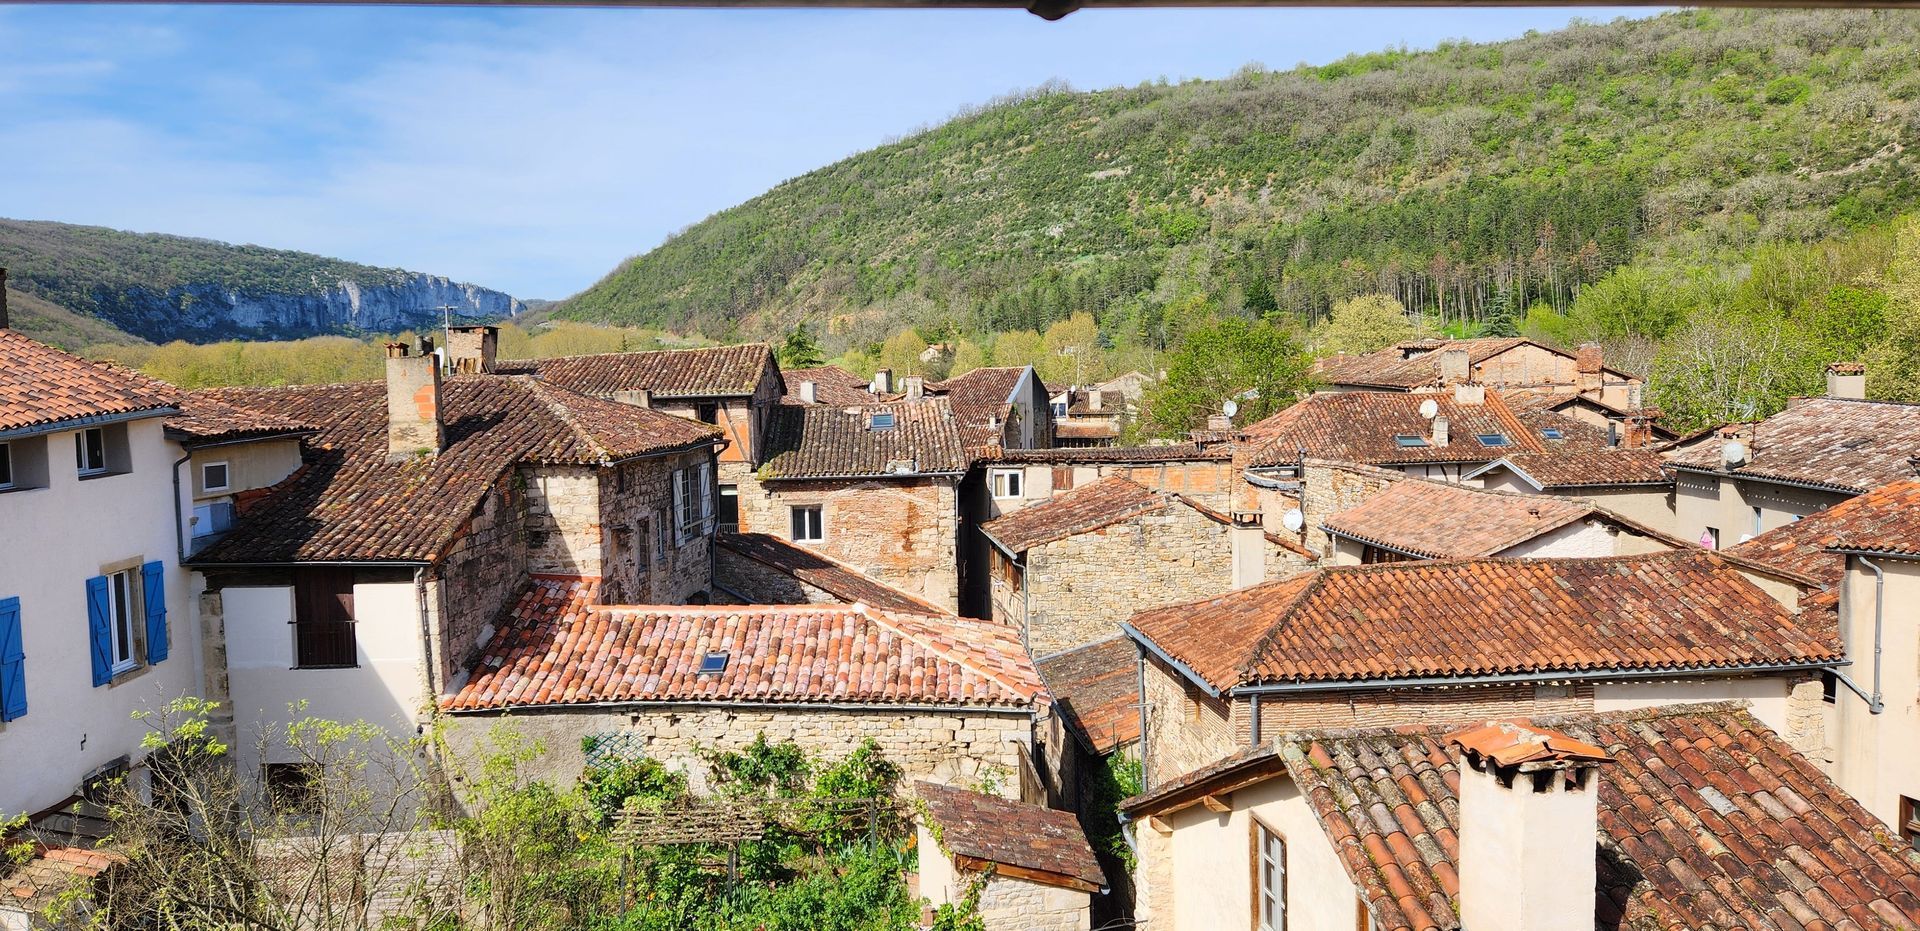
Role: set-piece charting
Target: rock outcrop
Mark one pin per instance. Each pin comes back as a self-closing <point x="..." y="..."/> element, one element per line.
<point x="206" y="312"/>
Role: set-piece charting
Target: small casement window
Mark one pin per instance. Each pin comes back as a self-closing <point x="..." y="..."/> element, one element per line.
<point x="707" y="412"/>
<point x="729" y="506"/>
<point x="1409" y="440"/>
<point x="291" y="787"/>
<point x="1493" y="439"/>
<point x="808" y="524"/>
<point x="123" y="606"/>
<point x="693" y="500"/>
<point x="1910" y="821"/>
<point x="1710" y="538"/>
<point x="881" y="420"/>
<point x="213" y="476"/>
<point x="1059" y="408"/>
<point x="643" y="544"/>
<point x="90" y="451"/>
<point x="6" y="465"/>
<point x="1270" y="874"/>
<point x="127" y="620"/>
<point x="323" y="635"/>
<point x="1758" y="517"/>
<point x="1006" y="482"/>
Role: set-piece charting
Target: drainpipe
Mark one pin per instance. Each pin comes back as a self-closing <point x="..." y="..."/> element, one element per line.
<point x="1253" y="722"/>
<point x="1146" y="777"/>
<point x="1026" y="605"/>
<point x="1875" y="704"/>
<point x="179" y="518"/>
<point x="426" y="633"/>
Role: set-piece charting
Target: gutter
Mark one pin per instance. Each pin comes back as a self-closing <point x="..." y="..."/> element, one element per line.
<point x="189" y="444"/>
<point x="1875" y="704"/>
<point x="426" y="628"/>
<point x="1146" y="772"/>
<point x="862" y="478"/>
<point x="1165" y="657"/>
<point x="81" y="423"/>
<point x="179" y="517"/>
<point x="1584" y="675"/>
<point x="1394" y="549"/>
<point x="565" y="708"/>
<point x="1753" y="477"/>
<point x="296" y="563"/>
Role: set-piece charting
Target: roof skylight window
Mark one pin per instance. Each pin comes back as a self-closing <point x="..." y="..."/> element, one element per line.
<point x="713" y="663"/>
<point x="1552" y="433"/>
<point x="882" y="420"/>
<point x="1493" y="439"/>
<point x="1409" y="440"/>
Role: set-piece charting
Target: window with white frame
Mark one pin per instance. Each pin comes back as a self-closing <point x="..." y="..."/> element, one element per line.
<point x="808" y="524"/>
<point x="123" y="610"/>
<point x="214" y="477"/>
<point x="1006" y="483"/>
<point x="6" y="465"/>
<point x="693" y="500"/>
<point x="90" y="451"/>
<point x="1270" y="906"/>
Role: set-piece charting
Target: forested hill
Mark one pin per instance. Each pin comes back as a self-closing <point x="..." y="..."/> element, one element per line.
<point x="1468" y="177"/>
<point x="162" y="288"/>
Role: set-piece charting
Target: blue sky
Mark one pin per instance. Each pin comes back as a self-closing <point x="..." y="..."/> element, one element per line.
<point x="532" y="150"/>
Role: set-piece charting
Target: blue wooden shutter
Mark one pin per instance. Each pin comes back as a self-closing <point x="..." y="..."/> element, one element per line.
<point x="154" y="575"/>
<point x="97" y="629"/>
<point x="13" y="662"/>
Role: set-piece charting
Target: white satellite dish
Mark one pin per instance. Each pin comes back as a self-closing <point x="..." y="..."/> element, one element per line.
<point x="1293" y="520"/>
<point x="1230" y="408"/>
<point x="1734" y="453"/>
<point x="1429" y="408"/>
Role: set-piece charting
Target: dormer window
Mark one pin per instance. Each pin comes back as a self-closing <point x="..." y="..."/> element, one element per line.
<point x="1493" y="439"/>
<point x="713" y="663"/>
<point x="1409" y="440"/>
<point x="882" y="420"/>
<point x="6" y="465"/>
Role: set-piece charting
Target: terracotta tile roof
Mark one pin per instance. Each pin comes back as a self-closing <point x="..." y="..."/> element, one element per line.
<point x="825" y="573"/>
<point x="557" y="647"/>
<point x="831" y="385"/>
<point x="348" y="502"/>
<point x="1246" y="766"/>
<point x="715" y="372"/>
<point x="40" y="385"/>
<point x="217" y="414"/>
<point x="1517" y="743"/>
<point x="1886" y="519"/>
<point x="1707" y="819"/>
<point x="1679" y="610"/>
<point x="996" y="830"/>
<point x="1085" y="429"/>
<point x="818" y="441"/>
<point x="38" y="882"/>
<point x="1362" y="426"/>
<point x="1097" y="688"/>
<point x="1585" y="467"/>
<point x="1439" y="520"/>
<point x="1088" y="507"/>
<point x="977" y="397"/>
<point x="1171" y="452"/>
<point x="1854" y="446"/>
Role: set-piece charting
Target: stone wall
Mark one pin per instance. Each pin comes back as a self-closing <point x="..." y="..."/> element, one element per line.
<point x="970" y="748"/>
<point x="1186" y="727"/>
<point x="563" y="520"/>
<point x="1079" y="589"/>
<point x="644" y="561"/>
<point x="903" y="532"/>
<point x="1327" y="487"/>
<point x="760" y="583"/>
<point x="1009" y="904"/>
<point x="479" y="577"/>
<point x="1389" y="707"/>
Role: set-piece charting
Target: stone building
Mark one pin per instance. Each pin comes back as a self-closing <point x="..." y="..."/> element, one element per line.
<point x="1441" y="435"/>
<point x="366" y="583"/>
<point x="1411" y="518"/>
<point x="1500" y="362"/>
<point x="996" y="409"/>
<point x="1032" y="865"/>
<point x="1201" y="472"/>
<point x="1412" y="642"/>
<point x="759" y="568"/>
<point x="1066" y="572"/>
<point x="874" y="487"/>
<point x="947" y="700"/>
<point x="1648" y="818"/>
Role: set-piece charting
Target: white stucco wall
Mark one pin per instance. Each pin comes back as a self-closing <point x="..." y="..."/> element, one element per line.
<point x="386" y="689"/>
<point x="1212" y="867"/>
<point x="1725" y="504"/>
<point x="1767" y="693"/>
<point x="1877" y="756"/>
<point x="1580" y="538"/>
<point x="55" y="538"/>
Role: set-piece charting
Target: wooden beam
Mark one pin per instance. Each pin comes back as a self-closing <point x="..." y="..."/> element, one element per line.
<point x="1044" y="877"/>
<point x="1215" y="805"/>
<point x="1159" y="826"/>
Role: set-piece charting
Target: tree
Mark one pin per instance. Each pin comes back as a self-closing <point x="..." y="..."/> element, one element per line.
<point x="901" y="353"/>
<point x="1725" y="365"/>
<point x="799" y="350"/>
<point x="1258" y="365"/>
<point x="1893" y="365"/>
<point x="967" y="356"/>
<point x="1365" y="324"/>
<point x="1073" y="351"/>
<point x="1020" y="347"/>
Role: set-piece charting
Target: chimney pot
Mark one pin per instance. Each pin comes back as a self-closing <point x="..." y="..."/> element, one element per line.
<point x="1588" y="366"/>
<point x="883" y="381"/>
<point x="1442" y="431"/>
<point x="1249" y="539"/>
<point x="1455" y="367"/>
<point x="473" y="350"/>
<point x="916" y="387"/>
<point x="1847" y="380"/>
<point x="1096" y="399"/>
<point x="396" y="350"/>
<point x="808" y="393"/>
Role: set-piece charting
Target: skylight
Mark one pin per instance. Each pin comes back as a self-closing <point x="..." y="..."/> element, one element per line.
<point x="1552" y="433"/>
<point x="1493" y="439"/>
<point x="713" y="664"/>
<point x="1409" y="440"/>
<point x="882" y="420"/>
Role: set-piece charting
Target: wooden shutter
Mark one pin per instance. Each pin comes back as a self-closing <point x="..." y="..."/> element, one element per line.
<point x="13" y="662"/>
<point x="154" y="588"/>
<point x="99" y="630"/>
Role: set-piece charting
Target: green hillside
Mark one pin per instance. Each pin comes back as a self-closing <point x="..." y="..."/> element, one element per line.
<point x="55" y="325"/>
<point x="1466" y="179"/>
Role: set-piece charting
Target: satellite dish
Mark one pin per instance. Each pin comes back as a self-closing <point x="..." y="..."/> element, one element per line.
<point x="1734" y="453"/>
<point x="1230" y="408"/>
<point x="1293" y="520"/>
<point x="1429" y="408"/>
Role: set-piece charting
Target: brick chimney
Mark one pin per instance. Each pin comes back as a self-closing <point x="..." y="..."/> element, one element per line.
<point x="1442" y="431"/>
<point x="1220" y="423"/>
<point x="1846" y="380"/>
<point x="1639" y="428"/>
<point x="1249" y="538"/>
<point x="3" y="299"/>
<point x="916" y="387"/>
<point x="473" y="350"/>
<point x="414" y="426"/>
<point x="883" y="381"/>
<point x="808" y="393"/>
<point x="1456" y="367"/>
<point x="1588" y="363"/>
<point x="1096" y="399"/>
<point x="1529" y="822"/>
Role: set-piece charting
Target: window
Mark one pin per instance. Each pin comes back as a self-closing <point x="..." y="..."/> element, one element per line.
<point x="291" y="786"/>
<point x="713" y="664"/>
<point x="1493" y="439"/>
<point x="808" y="526"/>
<point x="1756" y="521"/>
<point x="214" y="517"/>
<point x="1006" y="482"/>
<point x="23" y="463"/>
<point x="1910" y="821"/>
<point x="708" y="412"/>
<point x="6" y="465"/>
<point x="882" y="420"/>
<point x="213" y="476"/>
<point x="123" y="593"/>
<point x="123" y="605"/>
<point x="1710" y="538"/>
<point x="1409" y="440"/>
<point x="1552" y="433"/>
<point x="1371" y="554"/>
<point x="90" y="451"/>
<point x="693" y="500"/>
<point x="323" y="636"/>
<point x="642" y="545"/>
<point x="730" y="506"/>
<point x="1059" y="408"/>
<point x="1270" y="874"/>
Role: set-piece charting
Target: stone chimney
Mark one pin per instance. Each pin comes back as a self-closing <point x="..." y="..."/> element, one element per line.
<point x="1846" y="380"/>
<point x="638" y="397"/>
<point x="473" y="350"/>
<point x="808" y="393"/>
<point x="1455" y="367"/>
<point x="1096" y="399"/>
<point x="1249" y="548"/>
<point x="3" y="299"/>
<point x="883" y="381"/>
<point x="916" y="387"/>
<point x="1639" y="428"/>
<point x="414" y="426"/>
<point x="1442" y="432"/>
<point x="1529" y="822"/>
<point x="1220" y="423"/>
<point x="1587" y="365"/>
<point x="1469" y="395"/>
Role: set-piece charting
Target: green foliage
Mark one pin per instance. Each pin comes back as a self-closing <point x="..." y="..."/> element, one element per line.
<point x="1366" y="323"/>
<point x="1258" y="364"/>
<point x="1115" y="779"/>
<point x="799" y="349"/>
<point x="764" y="768"/>
<point x="608" y="788"/>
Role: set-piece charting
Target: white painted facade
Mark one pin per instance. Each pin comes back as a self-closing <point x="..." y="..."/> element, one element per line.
<point x="55" y="538"/>
<point x="1768" y="694"/>
<point x="1878" y="755"/>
